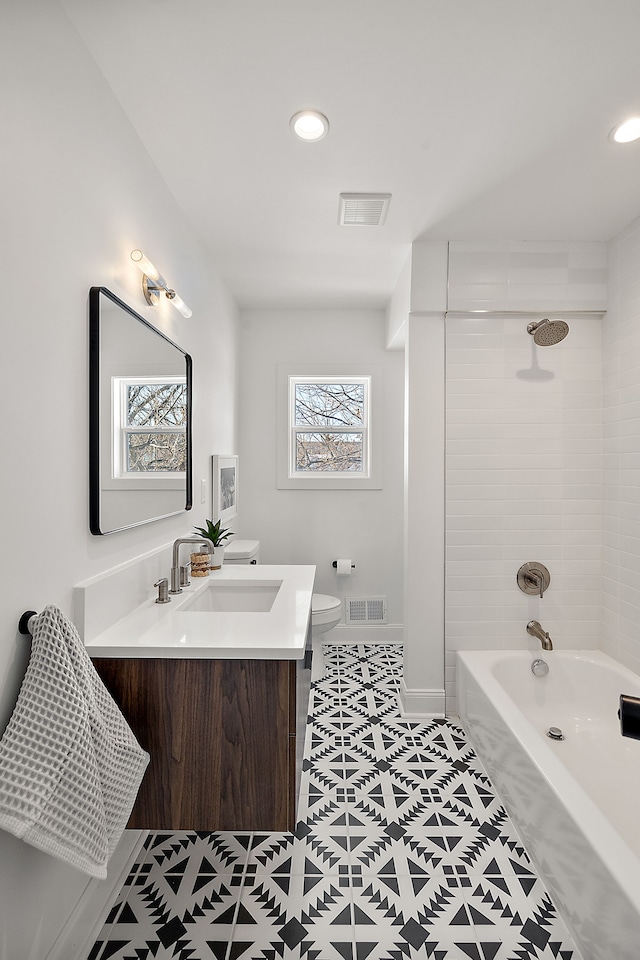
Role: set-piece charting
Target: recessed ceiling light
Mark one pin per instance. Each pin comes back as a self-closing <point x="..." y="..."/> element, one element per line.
<point x="309" y="125"/>
<point x="626" y="131"/>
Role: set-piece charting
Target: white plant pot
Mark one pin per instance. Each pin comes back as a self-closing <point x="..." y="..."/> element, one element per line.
<point x="217" y="559"/>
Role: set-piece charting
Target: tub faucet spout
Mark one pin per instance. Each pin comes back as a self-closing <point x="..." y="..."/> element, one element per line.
<point x="535" y="629"/>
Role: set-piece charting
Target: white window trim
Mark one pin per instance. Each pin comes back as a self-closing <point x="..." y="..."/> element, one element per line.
<point x="288" y="479"/>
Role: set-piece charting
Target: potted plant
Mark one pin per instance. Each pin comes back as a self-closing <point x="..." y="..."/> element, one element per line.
<point x="217" y="534"/>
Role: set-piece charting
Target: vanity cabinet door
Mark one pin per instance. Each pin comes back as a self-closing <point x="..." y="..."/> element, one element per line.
<point x="222" y="739"/>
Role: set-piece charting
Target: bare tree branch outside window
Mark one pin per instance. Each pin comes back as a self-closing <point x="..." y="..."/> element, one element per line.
<point x="335" y="407"/>
<point x="157" y="405"/>
<point x="160" y="411"/>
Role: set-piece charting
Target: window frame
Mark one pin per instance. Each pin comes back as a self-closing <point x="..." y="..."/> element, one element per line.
<point x="291" y="478"/>
<point x="297" y="429"/>
<point x="121" y="430"/>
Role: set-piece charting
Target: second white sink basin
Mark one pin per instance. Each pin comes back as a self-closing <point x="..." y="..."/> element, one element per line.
<point x="229" y="597"/>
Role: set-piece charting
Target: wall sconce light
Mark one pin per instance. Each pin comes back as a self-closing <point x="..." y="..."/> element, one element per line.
<point x="153" y="283"/>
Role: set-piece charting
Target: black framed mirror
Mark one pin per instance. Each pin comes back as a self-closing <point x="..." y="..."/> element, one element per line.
<point x="140" y="414"/>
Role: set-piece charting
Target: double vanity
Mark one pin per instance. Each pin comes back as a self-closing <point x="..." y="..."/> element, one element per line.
<point x="215" y="687"/>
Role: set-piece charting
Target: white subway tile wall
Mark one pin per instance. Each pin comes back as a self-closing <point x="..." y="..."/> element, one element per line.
<point x="621" y="362"/>
<point x="525" y="478"/>
<point x="527" y="276"/>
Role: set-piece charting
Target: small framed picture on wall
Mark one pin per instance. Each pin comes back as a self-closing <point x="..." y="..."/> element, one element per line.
<point x="225" y="487"/>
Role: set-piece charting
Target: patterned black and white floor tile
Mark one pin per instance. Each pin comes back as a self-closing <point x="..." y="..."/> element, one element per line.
<point x="402" y="851"/>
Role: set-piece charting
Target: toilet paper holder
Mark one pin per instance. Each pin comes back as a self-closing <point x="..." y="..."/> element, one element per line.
<point x="335" y="565"/>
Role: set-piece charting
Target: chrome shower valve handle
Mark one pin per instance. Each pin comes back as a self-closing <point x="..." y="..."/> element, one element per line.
<point x="533" y="578"/>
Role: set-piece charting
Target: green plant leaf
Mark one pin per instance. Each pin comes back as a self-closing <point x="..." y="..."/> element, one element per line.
<point x="214" y="532"/>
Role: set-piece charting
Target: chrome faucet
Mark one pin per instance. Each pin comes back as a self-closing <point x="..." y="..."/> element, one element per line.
<point x="535" y="629"/>
<point x="175" y="560"/>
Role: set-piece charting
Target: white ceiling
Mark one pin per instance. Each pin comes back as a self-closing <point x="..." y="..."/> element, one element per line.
<point x="485" y="120"/>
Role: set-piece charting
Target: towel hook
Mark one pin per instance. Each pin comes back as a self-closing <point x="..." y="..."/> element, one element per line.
<point x="24" y="623"/>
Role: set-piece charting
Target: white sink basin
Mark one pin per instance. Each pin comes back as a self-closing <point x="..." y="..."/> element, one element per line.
<point x="234" y="597"/>
<point x="241" y="611"/>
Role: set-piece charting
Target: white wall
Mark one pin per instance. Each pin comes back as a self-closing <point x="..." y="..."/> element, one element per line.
<point x="422" y="687"/>
<point x="524" y="482"/>
<point x="78" y="193"/>
<point x="318" y="526"/>
<point x="523" y="446"/>
<point x="523" y="440"/>
<point x="621" y="354"/>
<point x="490" y="418"/>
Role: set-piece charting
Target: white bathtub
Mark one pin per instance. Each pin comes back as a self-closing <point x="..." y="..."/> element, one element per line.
<point x="576" y="802"/>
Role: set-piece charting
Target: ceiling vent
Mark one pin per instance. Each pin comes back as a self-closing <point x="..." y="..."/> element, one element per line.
<point x="363" y="209"/>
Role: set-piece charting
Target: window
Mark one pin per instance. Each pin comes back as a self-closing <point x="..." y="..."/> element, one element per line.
<point x="329" y="426"/>
<point x="150" y="427"/>
<point x="329" y="420"/>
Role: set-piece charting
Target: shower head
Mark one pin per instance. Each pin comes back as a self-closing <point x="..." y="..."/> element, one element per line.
<point x="547" y="332"/>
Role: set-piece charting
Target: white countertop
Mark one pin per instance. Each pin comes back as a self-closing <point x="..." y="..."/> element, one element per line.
<point x="172" y="630"/>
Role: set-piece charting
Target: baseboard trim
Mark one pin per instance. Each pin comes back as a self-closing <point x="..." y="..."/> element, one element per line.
<point x="367" y="633"/>
<point x="87" y="918"/>
<point x="421" y="704"/>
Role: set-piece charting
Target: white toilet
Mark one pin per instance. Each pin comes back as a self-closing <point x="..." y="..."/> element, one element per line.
<point x="326" y="611"/>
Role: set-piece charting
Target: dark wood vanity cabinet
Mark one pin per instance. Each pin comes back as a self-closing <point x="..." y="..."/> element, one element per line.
<point x="222" y="739"/>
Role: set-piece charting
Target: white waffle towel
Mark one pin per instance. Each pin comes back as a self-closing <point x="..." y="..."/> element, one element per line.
<point x="70" y="767"/>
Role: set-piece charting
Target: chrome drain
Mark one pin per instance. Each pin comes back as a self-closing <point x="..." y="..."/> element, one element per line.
<point x="555" y="733"/>
<point x="539" y="668"/>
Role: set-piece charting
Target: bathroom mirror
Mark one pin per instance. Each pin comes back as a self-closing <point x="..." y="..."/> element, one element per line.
<point x="139" y="419"/>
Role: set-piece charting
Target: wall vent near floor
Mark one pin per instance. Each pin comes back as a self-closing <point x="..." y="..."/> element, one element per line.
<point x="366" y="610"/>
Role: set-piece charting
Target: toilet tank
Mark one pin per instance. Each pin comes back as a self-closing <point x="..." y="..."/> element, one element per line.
<point x="242" y="551"/>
